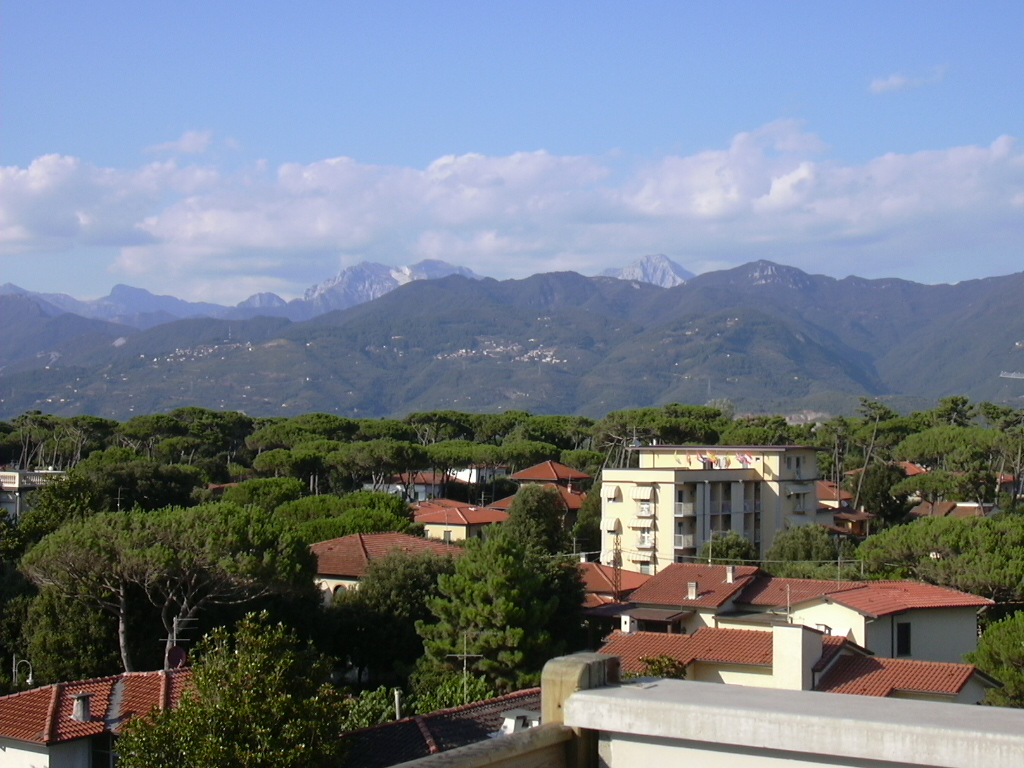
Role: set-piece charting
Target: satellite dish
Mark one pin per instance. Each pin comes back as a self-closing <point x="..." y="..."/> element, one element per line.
<point x="176" y="657"/>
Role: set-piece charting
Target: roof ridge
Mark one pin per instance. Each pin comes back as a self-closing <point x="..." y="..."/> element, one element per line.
<point x="428" y="737"/>
<point x="51" y="714"/>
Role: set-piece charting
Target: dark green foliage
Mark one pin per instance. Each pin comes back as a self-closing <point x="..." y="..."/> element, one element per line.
<point x="728" y="549"/>
<point x="376" y="624"/>
<point x="809" y="552"/>
<point x="259" y="701"/>
<point x="180" y="560"/>
<point x="435" y="688"/>
<point x="69" y="640"/>
<point x="509" y="603"/>
<point x="664" y="667"/>
<point x="877" y="490"/>
<point x="586" y="533"/>
<point x="356" y="521"/>
<point x="1000" y="653"/>
<point x="537" y="517"/>
<point x="266" y="494"/>
<point x="984" y="556"/>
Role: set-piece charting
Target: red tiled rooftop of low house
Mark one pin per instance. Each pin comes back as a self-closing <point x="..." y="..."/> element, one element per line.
<point x="350" y="556"/>
<point x="424" y="478"/>
<point x="869" y="676"/>
<point x="550" y="471"/>
<point x="427" y="504"/>
<point x="600" y="579"/>
<point x="462" y="515"/>
<point x="947" y="509"/>
<point x="43" y="715"/>
<point x="670" y="586"/>
<point x="724" y="646"/>
<point x="881" y="598"/>
<point x="573" y="500"/>
<point x="829" y="491"/>
<point x="854" y="517"/>
<point x="403" y="740"/>
<point x="770" y="591"/>
<point x="867" y="597"/>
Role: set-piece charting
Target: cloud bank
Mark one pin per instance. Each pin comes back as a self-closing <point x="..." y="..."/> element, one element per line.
<point x="771" y="193"/>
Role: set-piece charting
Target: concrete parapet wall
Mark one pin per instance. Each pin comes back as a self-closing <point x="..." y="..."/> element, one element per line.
<point x="542" y="747"/>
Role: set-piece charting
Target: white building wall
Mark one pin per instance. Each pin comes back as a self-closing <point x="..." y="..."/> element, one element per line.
<point x="936" y="634"/>
<point x="20" y="754"/>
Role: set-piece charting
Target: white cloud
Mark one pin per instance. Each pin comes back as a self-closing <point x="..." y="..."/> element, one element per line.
<point x="189" y="143"/>
<point x="900" y="82"/>
<point x="771" y="193"/>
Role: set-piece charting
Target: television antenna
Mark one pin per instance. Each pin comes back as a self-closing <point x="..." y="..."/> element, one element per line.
<point x="465" y="656"/>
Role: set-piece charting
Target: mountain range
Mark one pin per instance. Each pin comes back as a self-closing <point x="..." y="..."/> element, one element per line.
<point x="771" y="338"/>
<point x="354" y="285"/>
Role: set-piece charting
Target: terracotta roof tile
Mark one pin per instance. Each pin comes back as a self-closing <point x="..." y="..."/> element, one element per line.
<point x="573" y="500"/>
<point x="551" y="471"/>
<point x="350" y="556"/>
<point x="769" y="591"/>
<point x="669" y="586"/>
<point x="724" y="646"/>
<point x="880" y="598"/>
<point x="43" y="715"/>
<point x="463" y="515"/>
<point x="829" y="491"/>
<point x="600" y="579"/>
<point x="872" y="598"/>
<point x="392" y="743"/>
<point x="869" y="676"/>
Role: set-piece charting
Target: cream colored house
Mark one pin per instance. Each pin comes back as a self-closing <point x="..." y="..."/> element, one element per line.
<point x="679" y="497"/>
<point x="895" y="619"/>
<point x="799" y="658"/>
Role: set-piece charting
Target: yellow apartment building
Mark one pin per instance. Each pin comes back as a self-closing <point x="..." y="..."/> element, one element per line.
<point x="678" y="497"/>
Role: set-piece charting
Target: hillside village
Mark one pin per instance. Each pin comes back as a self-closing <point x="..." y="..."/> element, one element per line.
<point x="427" y="579"/>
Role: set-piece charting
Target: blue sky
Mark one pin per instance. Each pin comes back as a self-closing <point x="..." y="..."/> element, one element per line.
<point x="212" y="150"/>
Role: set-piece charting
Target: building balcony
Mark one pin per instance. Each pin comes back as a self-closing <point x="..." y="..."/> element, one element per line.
<point x="645" y="509"/>
<point x="686" y="509"/>
<point x="686" y="541"/>
<point x="645" y="542"/>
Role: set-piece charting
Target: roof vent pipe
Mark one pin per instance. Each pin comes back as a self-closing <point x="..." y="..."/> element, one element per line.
<point x="80" y="708"/>
<point x="691" y="590"/>
<point x="730" y="574"/>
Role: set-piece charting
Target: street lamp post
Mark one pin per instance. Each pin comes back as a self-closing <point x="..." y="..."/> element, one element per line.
<point x="15" y="664"/>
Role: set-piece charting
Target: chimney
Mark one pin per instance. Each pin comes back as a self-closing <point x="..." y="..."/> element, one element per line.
<point x="80" y="708"/>
<point x="795" y="651"/>
<point x="691" y="590"/>
<point x="628" y="624"/>
<point x="730" y="574"/>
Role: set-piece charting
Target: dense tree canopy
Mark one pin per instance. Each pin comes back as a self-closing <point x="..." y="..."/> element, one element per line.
<point x="259" y="699"/>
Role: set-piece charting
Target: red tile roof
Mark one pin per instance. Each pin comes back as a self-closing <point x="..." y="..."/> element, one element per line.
<point x="869" y="676"/>
<point x="771" y="592"/>
<point x="724" y="646"/>
<point x="462" y="515"/>
<point x="550" y="471"/>
<point x="669" y="586"/>
<point x="392" y="743"/>
<point x="43" y="715"/>
<point x="424" y="478"/>
<point x="350" y="556"/>
<point x="872" y="598"/>
<point x="881" y="598"/>
<point x="598" y="578"/>
<point x="573" y="500"/>
<point x="829" y="491"/>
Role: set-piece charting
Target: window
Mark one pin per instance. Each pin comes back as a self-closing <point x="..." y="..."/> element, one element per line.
<point x="447" y="537"/>
<point x="645" y="567"/>
<point x="903" y="638"/>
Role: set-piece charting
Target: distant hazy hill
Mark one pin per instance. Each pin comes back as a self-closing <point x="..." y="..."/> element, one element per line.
<point x="767" y="336"/>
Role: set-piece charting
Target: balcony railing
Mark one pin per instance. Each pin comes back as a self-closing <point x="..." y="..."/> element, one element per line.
<point x="645" y="509"/>
<point x="686" y="509"/>
<point x="645" y="542"/>
<point x="686" y="541"/>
